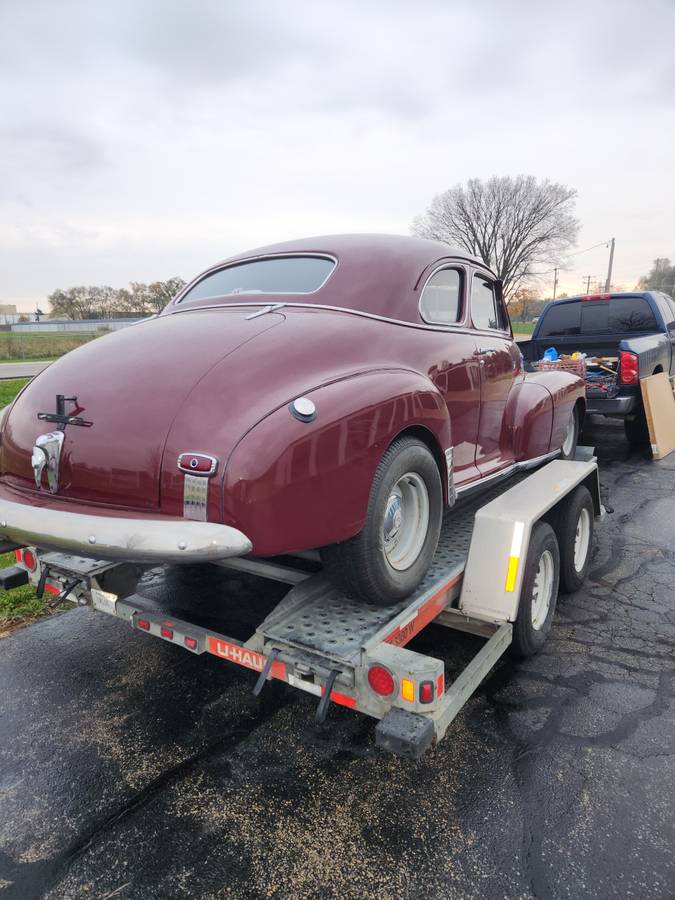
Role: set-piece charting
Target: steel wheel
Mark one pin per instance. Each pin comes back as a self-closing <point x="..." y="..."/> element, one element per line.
<point x="570" y="437"/>
<point x="582" y="539"/>
<point x="406" y="521"/>
<point x="542" y="590"/>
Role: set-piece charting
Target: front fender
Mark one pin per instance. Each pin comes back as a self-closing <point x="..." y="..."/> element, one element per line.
<point x="292" y="486"/>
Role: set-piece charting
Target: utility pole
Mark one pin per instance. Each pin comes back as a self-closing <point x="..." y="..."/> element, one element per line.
<point x="609" y="269"/>
<point x="555" y="282"/>
<point x="588" y="283"/>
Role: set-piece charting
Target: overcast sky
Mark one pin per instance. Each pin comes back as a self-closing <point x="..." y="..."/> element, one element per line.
<point x="144" y="140"/>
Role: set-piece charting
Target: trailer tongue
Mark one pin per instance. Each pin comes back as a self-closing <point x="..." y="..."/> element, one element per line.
<point x="490" y="571"/>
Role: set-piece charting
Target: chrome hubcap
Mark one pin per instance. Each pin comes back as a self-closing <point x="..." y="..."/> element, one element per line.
<point x="406" y="521"/>
<point x="568" y="443"/>
<point x="582" y="539"/>
<point x="542" y="590"/>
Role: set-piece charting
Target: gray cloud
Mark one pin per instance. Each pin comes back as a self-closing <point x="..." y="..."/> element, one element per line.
<point x="140" y="140"/>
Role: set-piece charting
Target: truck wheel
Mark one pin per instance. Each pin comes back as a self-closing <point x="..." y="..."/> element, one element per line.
<point x="576" y="539"/>
<point x="636" y="429"/>
<point x="539" y="592"/>
<point x="569" y="444"/>
<point x="392" y="553"/>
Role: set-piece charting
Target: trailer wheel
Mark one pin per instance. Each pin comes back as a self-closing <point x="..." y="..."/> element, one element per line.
<point x="389" y="557"/>
<point x="575" y="535"/>
<point x="539" y="592"/>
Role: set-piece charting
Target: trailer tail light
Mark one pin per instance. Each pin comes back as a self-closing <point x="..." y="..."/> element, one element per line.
<point x="144" y="624"/>
<point x="381" y="681"/>
<point x="426" y="692"/>
<point x="166" y="632"/>
<point x="191" y="643"/>
<point x="628" y="368"/>
<point x="29" y="560"/>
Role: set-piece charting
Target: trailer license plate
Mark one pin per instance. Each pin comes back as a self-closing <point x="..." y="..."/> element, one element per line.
<point x="103" y="601"/>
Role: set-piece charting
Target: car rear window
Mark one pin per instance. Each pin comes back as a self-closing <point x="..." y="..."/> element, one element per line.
<point x="617" y="315"/>
<point x="275" y="275"/>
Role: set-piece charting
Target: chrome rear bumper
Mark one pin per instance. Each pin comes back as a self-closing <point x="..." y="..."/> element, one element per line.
<point x="129" y="540"/>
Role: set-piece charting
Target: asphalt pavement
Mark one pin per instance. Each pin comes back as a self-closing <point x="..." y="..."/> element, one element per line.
<point x="22" y="369"/>
<point x="130" y="768"/>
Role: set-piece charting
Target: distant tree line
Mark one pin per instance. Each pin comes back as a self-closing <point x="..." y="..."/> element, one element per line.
<point x="660" y="278"/>
<point x="103" y="302"/>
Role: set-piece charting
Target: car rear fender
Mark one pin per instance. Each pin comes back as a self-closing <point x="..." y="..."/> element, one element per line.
<point x="293" y="485"/>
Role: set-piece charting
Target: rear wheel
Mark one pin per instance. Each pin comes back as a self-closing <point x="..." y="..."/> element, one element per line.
<point x="636" y="429"/>
<point x="391" y="554"/>
<point x="539" y="592"/>
<point x="576" y="539"/>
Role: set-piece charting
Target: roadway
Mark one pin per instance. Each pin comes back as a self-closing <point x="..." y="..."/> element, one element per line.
<point x="131" y="768"/>
<point x="22" y="369"/>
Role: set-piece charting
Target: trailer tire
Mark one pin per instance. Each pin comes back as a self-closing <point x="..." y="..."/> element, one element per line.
<point x="539" y="592"/>
<point x="366" y="566"/>
<point x="575" y="538"/>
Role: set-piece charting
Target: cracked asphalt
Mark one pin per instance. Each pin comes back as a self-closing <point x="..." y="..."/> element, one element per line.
<point x="132" y="769"/>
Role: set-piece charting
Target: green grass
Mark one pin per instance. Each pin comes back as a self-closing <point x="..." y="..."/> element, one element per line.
<point x="522" y="327"/>
<point x="21" y="604"/>
<point x="9" y="388"/>
<point x="31" y="345"/>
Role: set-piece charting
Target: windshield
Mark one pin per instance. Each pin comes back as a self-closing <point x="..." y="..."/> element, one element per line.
<point x="275" y="275"/>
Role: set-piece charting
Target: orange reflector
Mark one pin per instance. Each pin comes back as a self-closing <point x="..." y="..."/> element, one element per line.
<point x="408" y="690"/>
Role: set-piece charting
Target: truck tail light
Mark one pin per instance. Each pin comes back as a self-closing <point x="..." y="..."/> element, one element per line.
<point x="381" y="681"/>
<point x="628" y="368"/>
<point x="596" y="297"/>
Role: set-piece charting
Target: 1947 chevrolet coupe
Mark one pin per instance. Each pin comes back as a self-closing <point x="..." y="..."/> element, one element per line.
<point x="334" y="393"/>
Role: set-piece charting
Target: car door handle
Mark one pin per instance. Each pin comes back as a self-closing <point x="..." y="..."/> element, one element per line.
<point x="484" y="351"/>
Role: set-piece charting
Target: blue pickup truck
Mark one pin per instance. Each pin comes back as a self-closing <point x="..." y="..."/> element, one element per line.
<point x="633" y="334"/>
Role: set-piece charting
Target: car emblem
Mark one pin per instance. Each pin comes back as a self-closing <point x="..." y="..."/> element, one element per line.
<point x="47" y="447"/>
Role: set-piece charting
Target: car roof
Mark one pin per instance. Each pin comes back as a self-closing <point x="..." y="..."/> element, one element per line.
<point x="375" y="273"/>
<point x="605" y="294"/>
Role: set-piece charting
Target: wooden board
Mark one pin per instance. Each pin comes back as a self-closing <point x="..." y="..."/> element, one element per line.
<point x="659" y="402"/>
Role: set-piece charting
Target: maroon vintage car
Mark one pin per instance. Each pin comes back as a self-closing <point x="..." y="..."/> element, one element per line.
<point x="334" y="393"/>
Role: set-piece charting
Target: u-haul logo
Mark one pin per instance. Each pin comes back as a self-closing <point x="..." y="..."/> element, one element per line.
<point x="236" y="654"/>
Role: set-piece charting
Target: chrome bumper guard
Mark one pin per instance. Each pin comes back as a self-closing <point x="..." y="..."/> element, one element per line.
<point x="128" y="540"/>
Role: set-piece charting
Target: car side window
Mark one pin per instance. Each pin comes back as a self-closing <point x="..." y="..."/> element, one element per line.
<point x="486" y="312"/>
<point x="441" y="300"/>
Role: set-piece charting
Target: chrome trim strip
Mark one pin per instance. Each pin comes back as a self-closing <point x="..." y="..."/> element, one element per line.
<point x="447" y="329"/>
<point x="449" y="459"/>
<point x="126" y="540"/>
<point x="195" y="497"/>
<point x="513" y="469"/>
<point x="247" y="259"/>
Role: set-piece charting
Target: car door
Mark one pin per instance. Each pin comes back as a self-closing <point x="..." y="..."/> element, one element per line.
<point x="454" y="365"/>
<point x="499" y="363"/>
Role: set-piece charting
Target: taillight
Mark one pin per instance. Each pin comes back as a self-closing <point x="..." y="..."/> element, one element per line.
<point x="191" y="643"/>
<point x="596" y="297"/>
<point x="381" y="680"/>
<point x="166" y="632"/>
<point x="144" y="624"/>
<point x="426" y="691"/>
<point x="29" y="560"/>
<point x="628" y="368"/>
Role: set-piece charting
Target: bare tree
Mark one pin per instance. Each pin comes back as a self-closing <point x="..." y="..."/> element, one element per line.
<point x="515" y="225"/>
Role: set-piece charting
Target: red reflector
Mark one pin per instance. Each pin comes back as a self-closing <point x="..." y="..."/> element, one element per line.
<point x="191" y="643"/>
<point x="144" y="624"/>
<point x="381" y="680"/>
<point x="18" y="554"/>
<point x="628" y="368"/>
<point x="29" y="560"/>
<point x="166" y="632"/>
<point x="426" y="691"/>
